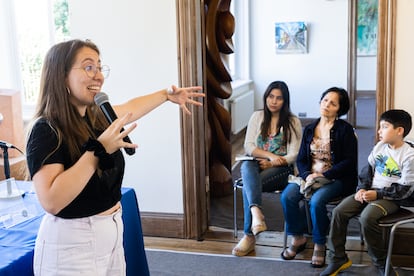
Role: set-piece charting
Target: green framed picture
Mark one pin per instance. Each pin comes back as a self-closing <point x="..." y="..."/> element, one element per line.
<point x="367" y="27"/>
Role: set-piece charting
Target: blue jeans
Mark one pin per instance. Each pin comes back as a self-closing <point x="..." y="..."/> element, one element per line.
<point x="295" y="216"/>
<point x="256" y="181"/>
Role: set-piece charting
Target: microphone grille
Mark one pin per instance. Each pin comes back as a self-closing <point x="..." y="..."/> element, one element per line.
<point x="101" y="98"/>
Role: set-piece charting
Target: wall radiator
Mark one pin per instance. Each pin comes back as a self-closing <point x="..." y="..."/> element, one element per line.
<point x="241" y="108"/>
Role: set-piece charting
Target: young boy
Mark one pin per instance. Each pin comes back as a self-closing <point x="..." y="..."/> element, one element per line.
<point x="385" y="184"/>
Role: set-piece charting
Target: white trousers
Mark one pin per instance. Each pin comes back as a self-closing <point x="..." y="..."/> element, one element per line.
<point x="86" y="246"/>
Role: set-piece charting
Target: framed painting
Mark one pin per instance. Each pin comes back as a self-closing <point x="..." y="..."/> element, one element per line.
<point x="291" y="37"/>
<point x="367" y="27"/>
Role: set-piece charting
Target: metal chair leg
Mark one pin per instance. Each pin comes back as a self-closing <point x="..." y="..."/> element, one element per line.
<point x="391" y="242"/>
<point x="285" y="236"/>
<point x="235" y="208"/>
<point x="308" y="216"/>
<point x="236" y="185"/>
<point x="361" y="234"/>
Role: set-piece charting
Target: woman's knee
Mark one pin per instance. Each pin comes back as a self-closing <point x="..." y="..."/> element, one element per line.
<point x="248" y="165"/>
<point x="290" y="193"/>
<point x="318" y="202"/>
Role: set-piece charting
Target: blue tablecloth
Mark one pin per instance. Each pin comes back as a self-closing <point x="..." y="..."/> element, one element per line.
<point x="17" y="242"/>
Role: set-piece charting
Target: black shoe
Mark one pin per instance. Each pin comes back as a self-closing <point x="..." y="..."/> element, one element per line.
<point x="334" y="268"/>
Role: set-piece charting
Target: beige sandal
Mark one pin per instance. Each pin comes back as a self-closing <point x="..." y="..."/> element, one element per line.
<point x="245" y="246"/>
<point x="259" y="227"/>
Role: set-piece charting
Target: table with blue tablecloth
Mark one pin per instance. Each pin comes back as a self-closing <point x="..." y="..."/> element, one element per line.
<point x="17" y="242"/>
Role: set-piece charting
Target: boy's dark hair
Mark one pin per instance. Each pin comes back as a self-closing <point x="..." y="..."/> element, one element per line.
<point x="398" y="118"/>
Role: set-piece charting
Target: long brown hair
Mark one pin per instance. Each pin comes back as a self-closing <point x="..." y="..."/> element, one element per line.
<point x="285" y="115"/>
<point x="54" y="104"/>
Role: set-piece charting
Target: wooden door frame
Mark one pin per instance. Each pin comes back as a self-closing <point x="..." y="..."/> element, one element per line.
<point x="191" y="41"/>
<point x="352" y="60"/>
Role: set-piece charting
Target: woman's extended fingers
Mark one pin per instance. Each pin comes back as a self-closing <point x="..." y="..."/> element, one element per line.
<point x="184" y="95"/>
<point x="185" y="109"/>
<point x="112" y="137"/>
<point x="193" y="102"/>
<point x="193" y="91"/>
<point x="124" y="132"/>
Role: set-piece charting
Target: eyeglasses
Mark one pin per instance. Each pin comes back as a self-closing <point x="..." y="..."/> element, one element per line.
<point x="91" y="70"/>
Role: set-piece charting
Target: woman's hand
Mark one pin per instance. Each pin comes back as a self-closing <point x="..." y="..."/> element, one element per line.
<point x="112" y="137"/>
<point x="313" y="176"/>
<point x="184" y="95"/>
<point x="264" y="163"/>
<point x="277" y="161"/>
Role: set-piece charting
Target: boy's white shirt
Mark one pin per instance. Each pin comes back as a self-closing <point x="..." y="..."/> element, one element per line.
<point x="392" y="165"/>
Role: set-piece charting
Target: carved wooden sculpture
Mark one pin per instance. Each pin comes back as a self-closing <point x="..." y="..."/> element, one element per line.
<point x="219" y="30"/>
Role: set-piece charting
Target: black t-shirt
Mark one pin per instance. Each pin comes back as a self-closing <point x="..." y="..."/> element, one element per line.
<point x="100" y="193"/>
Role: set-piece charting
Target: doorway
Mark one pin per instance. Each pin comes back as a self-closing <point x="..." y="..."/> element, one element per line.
<point x="361" y="65"/>
<point x="196" y="215"/>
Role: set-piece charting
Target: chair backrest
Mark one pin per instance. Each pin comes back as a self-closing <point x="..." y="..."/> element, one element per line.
<point x="350" y="189"/>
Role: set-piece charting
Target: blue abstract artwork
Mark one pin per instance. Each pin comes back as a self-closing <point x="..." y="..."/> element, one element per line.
<point x="291" y="37"/>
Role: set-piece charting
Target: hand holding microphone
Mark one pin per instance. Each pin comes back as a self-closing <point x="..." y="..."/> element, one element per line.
<point x="101" y="99"/>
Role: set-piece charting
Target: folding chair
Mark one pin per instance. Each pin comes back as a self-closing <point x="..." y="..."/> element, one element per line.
<point x="401" y="217"/>
<point x="238" y="184"/>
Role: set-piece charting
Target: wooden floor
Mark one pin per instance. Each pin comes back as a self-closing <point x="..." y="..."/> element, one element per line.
<point x="268" y="245"/>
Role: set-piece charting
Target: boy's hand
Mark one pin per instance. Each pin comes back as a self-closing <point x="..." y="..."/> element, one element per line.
<point x="369" y="196"/>
<point x="359" y="195"/>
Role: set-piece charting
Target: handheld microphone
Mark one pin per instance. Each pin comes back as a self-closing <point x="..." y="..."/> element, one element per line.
<point x="101" y="99"/>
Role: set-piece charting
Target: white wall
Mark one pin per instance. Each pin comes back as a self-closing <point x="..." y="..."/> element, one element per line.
<point x="307" y="75"/>
<point x="9" y="78"/>
<point x="404" y="58"/>
<point x="138" y="41"/>
<point x="366" y="77"/>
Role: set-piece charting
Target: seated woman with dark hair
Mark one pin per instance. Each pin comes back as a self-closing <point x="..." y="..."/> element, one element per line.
<point x="328" y="154"/>
<point x="273" y="137"/>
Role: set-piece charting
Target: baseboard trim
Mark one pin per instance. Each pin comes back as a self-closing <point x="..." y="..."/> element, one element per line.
<point x="162" y="225"/>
